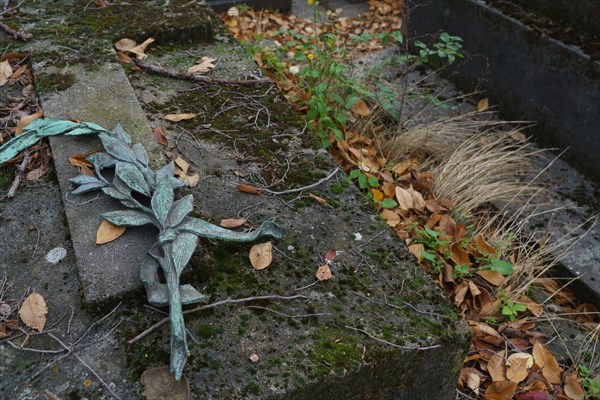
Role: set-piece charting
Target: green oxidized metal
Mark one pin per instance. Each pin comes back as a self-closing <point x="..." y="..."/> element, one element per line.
<point x="178" y="232"/>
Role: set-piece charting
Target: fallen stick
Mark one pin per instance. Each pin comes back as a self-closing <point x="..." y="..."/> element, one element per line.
<point x="195" y="78"/>
<point x="213" y="305"/>
<point x="14" y="33"/>
<point x="18" y="176"/>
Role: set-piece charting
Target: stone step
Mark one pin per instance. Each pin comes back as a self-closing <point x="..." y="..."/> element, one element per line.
<point x="380" y="328"/>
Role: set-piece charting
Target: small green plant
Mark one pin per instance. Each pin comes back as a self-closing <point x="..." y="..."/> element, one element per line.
<point x="460" y="271"/>
<point x="431" y="240"/>
<point x="590" y="385"/>
<point x="495" y="264"/>
<point x="511" y="309"/>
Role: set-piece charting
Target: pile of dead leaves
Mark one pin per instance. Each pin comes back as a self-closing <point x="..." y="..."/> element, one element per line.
<point x="508" y="358"/>
<point x="19" y="108"/>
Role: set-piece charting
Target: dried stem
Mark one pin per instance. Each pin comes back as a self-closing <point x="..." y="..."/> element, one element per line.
<point x="18" y="176"/>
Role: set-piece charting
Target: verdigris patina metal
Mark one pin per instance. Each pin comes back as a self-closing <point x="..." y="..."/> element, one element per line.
<point x="150" y="198"/>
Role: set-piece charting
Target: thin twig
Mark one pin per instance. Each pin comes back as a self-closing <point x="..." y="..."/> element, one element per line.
<point x="18" y="176"/>
<point x="307" y="286"/>
<point x="70" y="350"/>
<point x="300" y="189"/>
<point x="37" y="242"/>
<point x="213" y="305"/>
<point x="291" y="316"/>
<point x="96" y="323"/>
<point x="392" y="344"/>
<point x="10" y="10"/>
<point x="33" y="350"/>
<point x="196" y="78"/>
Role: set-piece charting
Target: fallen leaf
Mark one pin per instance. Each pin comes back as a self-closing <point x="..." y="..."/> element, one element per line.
<point x="516" y="356"/>
<point x="249" y="189"/>
<point x="122" y="56"/>
<point x="178" y="117"/>
<point x="417" y="199"/>
<point x="204" y="65"/>
<point x="360" y="108"/>
<point x="496" y="367"/>
<point x="546" y="361"/>
<point x="36" y="174"/>
<point x="182" y="164"/>
<point x="473" y="382"/>
<point x="141" y="48"/>
<point x="231" y="223"/>
<point x="159" y="135"/>
<point x="125" y="44"/>
<point x="405" y="200"/>
<point x="5" y="310"/>
<point x="254" y="358"/>
<point x="108" y="232"/>
<point x="518" y="136"/>
<point x="87" y="383"/>
<point x="33" y="311"/>
<point x="23" y="122"/>
<point x="534" y="395"/>
<point x="493" y="277"/>
<point x="483" y="105"/>
<point x="261" y="255"/>
<point x="331" y="254"/>
<point x="390" y="217"/>
<point x="160" y="384"/>
<point x="324" y="273"/>
<point x="517" y="370"/>
<point x="233" y="12"/>
<point x="5" y="72"/>
<point x="573" y="389"/>
<point x="78" y="160"/>
<point x="190" y="180"/>
<point x="416" y="250"/>
<point x="500" y="391"/>
<point x="321" y="200"/>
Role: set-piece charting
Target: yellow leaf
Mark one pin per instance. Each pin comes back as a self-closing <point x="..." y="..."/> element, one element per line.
<point x="404" y="198"/>
<point x="108" y="232"/>
<point x="33" y="311"/>
<point x="483" y="105"/>
<point x="204" y="65"/>
<point x="324" y="273"/>
<point x="321" y="200"/>
<point x="178" y="117"/>
<point x="546" y="361"/>
<point x="23" y="122"/>
<point x="377" y="195"/>
<point x="87" y="383"/>
<point x="261" y="255"/>
<point x="360" y="108"/>
<point x="5" y="72"/>
<point x="233" y="222"/>
<point x="573" y="389"/>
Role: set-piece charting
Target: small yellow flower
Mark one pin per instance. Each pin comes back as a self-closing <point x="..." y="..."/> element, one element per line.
<point x="311" y="2"/>
<point x="310" y="56"/>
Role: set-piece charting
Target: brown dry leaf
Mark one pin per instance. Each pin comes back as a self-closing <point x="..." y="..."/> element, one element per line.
<point x="33" y="311"/>
<point x="331" y="254"/>
<point x="178" y="117"/>
<point x="5" y="72"/>
<point x="261" y="255"/>
<point x="518" y="136"/>
<point x="249" y="189"/>
<point x="79" y="161"/>
<point x="190" y="180"/>
<point x="159" y="384"/>
<point x="7" y="327"/>
<point x="108" y="232"/>
<point x="573" y="389"/>
<point x="516" y="356"/>
<point x="254" y="358"/>
<point x="204" y="65"/>
<point x="473" y="382"/>
<point x="23" y="122"/>
<point x="140" y="49"/>
<point x="321" y="200"/>
<point x="390" y="217"/>
<point x="122" y="56"/>
<point x="36" y="173"/>
<point x="517" y="370"/>
<point x="459" y="255"/>
<point x="324" y="273"/>
<point x="159" y="135"/>
<point x="182" y="164"/>
<point x="417" y="199"/>
<point x="416" y="250"/>
<point x="483" y="105"/>
<point x="496" y="367"/>
<point x="404" y="198"/>
<point x="500" y="391"/>
<point x="480" y="248"/>
<point x="231" y="223"/>
<point x="125" y="44"/>
<point x="546" y="361"/>
<point x="360" y="108"/>
<point x="493" y="277"/>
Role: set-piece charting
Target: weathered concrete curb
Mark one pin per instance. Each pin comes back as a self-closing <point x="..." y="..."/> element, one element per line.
<point x="529" y="76"/>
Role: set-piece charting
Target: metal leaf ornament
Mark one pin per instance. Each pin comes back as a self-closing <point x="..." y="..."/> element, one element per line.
<point x="178" y="232"/>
